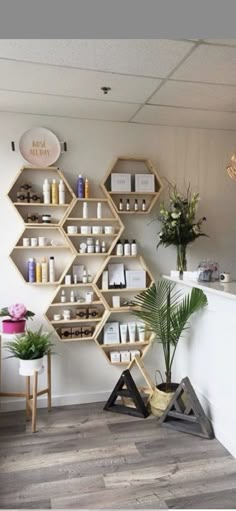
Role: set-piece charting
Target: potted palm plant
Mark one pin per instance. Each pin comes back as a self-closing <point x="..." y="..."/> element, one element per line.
<point x="18" y="314"/>
<point x="165" y="313"/>
<point x="30" y="348"/>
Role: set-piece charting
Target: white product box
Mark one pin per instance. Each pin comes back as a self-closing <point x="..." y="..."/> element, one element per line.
<point x="115" y="357"/>
<point x="105" y="280"/>
<point x="144" y="183"/>
<point x="120" y="182"/>
<point x="111" y="333"/>
<point x="125" y="356"/>
<point x="135" y="279"/>
<point x="134" y="353"/>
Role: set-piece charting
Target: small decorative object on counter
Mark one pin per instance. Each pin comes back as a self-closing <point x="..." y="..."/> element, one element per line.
<point x="62" y="193"/>
<point x="80" y="187"/>
<point x="121" y="206"/>
<point x="179" y="226"/>
<point x="225" y="277"/>
<point x="99" y="210"/>
<point x="18" y="315"/>
<point x="208" y="271"/>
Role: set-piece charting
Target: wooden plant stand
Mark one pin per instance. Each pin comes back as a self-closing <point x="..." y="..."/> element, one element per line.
<point x="31" y="398"/>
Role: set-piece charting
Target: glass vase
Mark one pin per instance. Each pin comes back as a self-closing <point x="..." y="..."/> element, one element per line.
<point x="181" y="258"/>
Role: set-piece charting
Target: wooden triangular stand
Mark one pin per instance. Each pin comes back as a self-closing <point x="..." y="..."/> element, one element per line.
<point x="185" y="413"/>
<point x="129" y="391"/>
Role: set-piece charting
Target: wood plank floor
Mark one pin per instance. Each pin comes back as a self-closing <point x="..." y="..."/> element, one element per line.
<point x="83" y="457"/>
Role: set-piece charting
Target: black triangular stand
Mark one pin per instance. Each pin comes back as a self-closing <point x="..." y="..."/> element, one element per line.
<point x="185" y="413"/>
<point x="131" y="392"/>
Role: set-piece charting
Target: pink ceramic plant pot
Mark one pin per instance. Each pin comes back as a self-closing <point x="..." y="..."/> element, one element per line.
<point x="13" y="327"/>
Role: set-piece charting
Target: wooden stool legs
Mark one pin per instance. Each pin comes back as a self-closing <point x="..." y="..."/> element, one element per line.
<point x="31" y="399"/>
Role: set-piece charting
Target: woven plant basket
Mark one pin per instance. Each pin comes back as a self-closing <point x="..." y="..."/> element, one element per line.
<point x="160" y="400"/>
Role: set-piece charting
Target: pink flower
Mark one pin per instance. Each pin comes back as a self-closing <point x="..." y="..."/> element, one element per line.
<point x="17" y="311"/>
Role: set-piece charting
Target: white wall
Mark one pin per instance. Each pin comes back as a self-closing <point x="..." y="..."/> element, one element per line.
<point x="80" y="371"/>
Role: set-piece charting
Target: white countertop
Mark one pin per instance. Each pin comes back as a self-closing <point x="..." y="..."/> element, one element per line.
<point x="227" y="290"/>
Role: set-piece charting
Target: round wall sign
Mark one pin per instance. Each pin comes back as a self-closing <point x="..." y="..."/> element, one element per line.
<point x="40" y="147"/>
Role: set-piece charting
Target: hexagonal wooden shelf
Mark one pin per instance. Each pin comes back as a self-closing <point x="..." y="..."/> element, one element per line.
<point x="133" y="166"/>
<point x="86" y="318"/>
<point x="109" y="219"/>
<point x="124" y="312"/>
<point x="35" y="177"/>
<point x="57" y="246"/>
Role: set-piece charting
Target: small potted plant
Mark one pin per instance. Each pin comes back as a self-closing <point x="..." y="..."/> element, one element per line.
<point x="165" y="316"/>
<point x="18" y="315"/>
<point x="30" y="348"/>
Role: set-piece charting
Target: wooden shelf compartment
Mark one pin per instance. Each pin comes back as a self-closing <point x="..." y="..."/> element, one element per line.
<point x="76" y="321"/>
<point x="75" y="304"/>
<point x="40" y="204"/>
<point x="124" y="346"/>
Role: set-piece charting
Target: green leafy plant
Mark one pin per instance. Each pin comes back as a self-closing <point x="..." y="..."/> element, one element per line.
<point x="30" y="346"/>
<point x="165" y="314"/>
<point x="179" y="226"/>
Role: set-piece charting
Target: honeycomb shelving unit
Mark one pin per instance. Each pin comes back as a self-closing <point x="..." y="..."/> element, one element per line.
<point x="133" y="166"/>
<point x="124" y="313"/>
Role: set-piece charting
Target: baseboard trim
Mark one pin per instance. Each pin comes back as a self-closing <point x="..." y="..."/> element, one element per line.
<point x="12" y="405"/>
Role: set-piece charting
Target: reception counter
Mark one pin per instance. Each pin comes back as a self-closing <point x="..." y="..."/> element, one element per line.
<point x="207" y="355"/>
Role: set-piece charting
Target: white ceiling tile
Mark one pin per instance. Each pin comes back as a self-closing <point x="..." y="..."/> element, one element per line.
<point x="65" y="106"/>
<point x="146" y="57"/>
<point x="46" y="79"/>
<point x="196" y="95"/>
<point x="172" y="116"/>
<point x="215" y="64"/>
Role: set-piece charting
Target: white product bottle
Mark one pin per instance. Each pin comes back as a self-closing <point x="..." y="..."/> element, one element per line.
<point x="46" y="192"/>
<point x="63" y="296"/>
<point x="134" y="249"/>
<point x="44" y="265"/>
<point x="85" y="210"/>
<point x="126" y="248"/>
<point x="52" y="272"/>
<point x="72" y="296"/>
<point x="99" y="210"/>
<point x="119" y="248"/>
<point x="62" y="192"/>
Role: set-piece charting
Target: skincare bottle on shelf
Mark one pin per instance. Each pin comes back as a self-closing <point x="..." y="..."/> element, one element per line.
<point x="52" y="272"/>
<point x="31" y="270"/>
<point x="38" y="272"/>
<point x="121" y="207"/>
<point x="85" y="277"/>
<point x="97" y="247"/>
<point x="134" y="249"/>
<point x="99" y="210"/>
<point x="136" y="208"/>
<point x="72" y="296"/>
<point x="63" y="296"/>
<point x="119" y="248"/>
<point x="86" y="188"/>
<point x="126" y="248"/>
<point x="55" y="197"/>
<point x="46" y="192"/>
<point x="85" y="210"/>
<point x="80" y="187"/>
<point x="104" y="247"/>
<point x="62" y="193"/>
<point x="144" y="207"/>
<point x="44" y="266"/>
<point x="89" y="277"/>
<point x="127" y="205"/>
